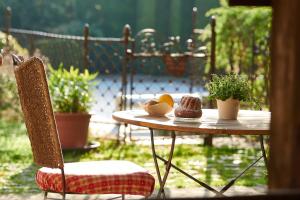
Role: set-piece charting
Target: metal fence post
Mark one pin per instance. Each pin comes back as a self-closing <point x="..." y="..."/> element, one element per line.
<point x="126" y="38"/>
<point x="194" y="23"/>
<point x="192" y="46"/>
<point x="212" y="69"/>
<point x="7" y="24"/>
<point x="86" y="46"/>
<point x="31" y="44"/>
<point x="123" y="102"/>
<point x="208" y="140"/>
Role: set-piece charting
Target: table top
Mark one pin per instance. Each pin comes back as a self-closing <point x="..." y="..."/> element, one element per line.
<point x="249" y="122"/>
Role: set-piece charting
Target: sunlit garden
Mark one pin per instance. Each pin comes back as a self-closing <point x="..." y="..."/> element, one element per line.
<point x="215" y="165"/>
<point x="103" y="60"/>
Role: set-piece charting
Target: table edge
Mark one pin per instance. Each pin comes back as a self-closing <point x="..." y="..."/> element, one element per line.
<point x="204" y="131"/>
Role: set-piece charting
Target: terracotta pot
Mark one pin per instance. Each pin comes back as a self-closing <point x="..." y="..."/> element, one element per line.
<point x="72" y="129"/>
<point x="175" y="65"/>
<point x="228" y="109"/>
<point x="1" y="59"/>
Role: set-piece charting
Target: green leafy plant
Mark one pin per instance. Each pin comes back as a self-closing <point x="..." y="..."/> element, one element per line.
<point x="70" y="89"/>
<point x="9" y="100"/>
<point x="242" y="44"/>
<point x="229" y="86"/>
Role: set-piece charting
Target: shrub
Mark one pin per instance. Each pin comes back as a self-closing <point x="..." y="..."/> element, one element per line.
<point x="9" y="101"/>
<point x="14" y="46"/>
<point x="242" y="44"/>
<point x="70" y="90"/>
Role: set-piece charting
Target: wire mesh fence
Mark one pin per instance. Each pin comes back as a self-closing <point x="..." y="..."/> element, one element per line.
<point x="55" y="48"/>
<point x="129" y="72"/>
<point x="106" y="58"/>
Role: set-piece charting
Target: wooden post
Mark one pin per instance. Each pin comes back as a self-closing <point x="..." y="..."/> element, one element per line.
<point x="208" y="140"/>
<point x="86" y="46"/>
<point x="284" y="163"/>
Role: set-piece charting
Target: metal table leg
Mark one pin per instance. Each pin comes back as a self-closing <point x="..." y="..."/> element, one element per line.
<point x="169" y="164"/>
<point x="226" y="187"/>
<point x="263" y="151"/>
<point x="191" y="177"/>
<point x="162" y="181"/>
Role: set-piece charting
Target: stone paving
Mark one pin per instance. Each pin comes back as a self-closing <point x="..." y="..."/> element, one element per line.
<point x="171" y="193"/>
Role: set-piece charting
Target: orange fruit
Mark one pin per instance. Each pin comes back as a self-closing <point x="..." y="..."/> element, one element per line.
<point x="166" y="98"/>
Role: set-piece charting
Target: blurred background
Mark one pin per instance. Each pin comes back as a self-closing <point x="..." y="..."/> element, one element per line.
<point x="107" y="18"/>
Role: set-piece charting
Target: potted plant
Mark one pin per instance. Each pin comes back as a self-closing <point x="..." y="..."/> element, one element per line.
<point x="229" y="90"/>
<point x="71" y="98"/>
<point x="175" y="63"/>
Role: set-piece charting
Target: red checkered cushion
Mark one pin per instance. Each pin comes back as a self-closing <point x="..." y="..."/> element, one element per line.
<point x="101" y="177"/>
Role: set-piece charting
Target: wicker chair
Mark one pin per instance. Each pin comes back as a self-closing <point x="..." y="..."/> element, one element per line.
<point x="99" y="177"/>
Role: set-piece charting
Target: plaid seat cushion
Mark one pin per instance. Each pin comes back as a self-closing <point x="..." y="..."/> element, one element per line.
<point x="100" y="177"/>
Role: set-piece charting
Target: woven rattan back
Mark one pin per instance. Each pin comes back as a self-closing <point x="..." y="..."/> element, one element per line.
<point x="38" y="113"/>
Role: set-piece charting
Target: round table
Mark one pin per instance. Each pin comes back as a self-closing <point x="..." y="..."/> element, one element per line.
<point x="249" y="122"/>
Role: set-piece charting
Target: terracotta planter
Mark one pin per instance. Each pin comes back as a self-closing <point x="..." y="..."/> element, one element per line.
<point x="1" y="59"/>
<point x="228" y="109"/>
<point x="175" y="65"/>
<point x="72" y="129"/>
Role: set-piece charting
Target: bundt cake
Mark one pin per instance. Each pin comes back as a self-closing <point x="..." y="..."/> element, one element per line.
<point x="189" y="107"/>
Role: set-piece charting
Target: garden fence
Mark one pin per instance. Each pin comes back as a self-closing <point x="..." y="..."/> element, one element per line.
<point x="134" y="67"/>
<point x="129" y="67"/>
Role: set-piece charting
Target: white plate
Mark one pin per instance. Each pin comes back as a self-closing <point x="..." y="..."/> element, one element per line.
<point x="187" y="120"/>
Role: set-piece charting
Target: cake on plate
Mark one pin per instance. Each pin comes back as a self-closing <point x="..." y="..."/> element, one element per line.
<point x="189" y="107"/>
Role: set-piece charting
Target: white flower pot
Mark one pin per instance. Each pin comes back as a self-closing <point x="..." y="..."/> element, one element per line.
<point x="228" y="109"/>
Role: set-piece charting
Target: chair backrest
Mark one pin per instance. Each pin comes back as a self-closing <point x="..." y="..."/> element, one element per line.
<point x="38" y="113"/>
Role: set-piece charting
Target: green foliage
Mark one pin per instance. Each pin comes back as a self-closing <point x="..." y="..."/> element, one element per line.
<point x="13" y="45"/>
<point x="106" y="18"/>
<point x="70" y="89"/>
<point x="242" y="43"/>
<point x="9" y="101"/>
<point x="231" y="85"/>
<point x="59" y="50"/>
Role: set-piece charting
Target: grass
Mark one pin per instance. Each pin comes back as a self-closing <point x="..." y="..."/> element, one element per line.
<point x="215" y="166"/>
